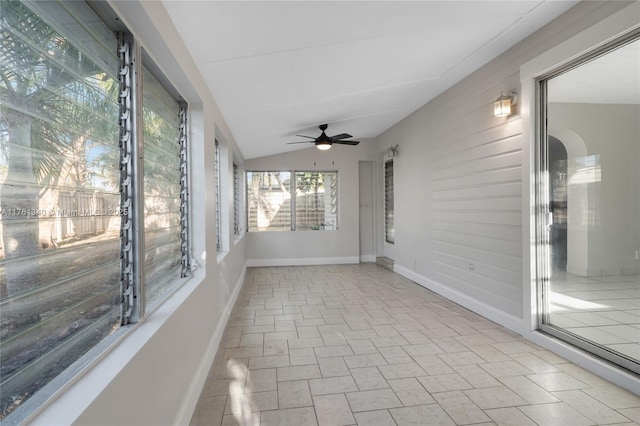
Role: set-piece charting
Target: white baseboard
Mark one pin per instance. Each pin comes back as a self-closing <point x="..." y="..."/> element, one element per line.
<point x="504" y="319"/>
<point x="368" y="258"/>
<point x="195" y="389"/>
<point x="304" y="261"/>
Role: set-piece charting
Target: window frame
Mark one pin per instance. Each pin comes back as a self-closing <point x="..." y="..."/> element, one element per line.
<point x="133" y="306"/>
<point x="293" y="173"/>
<point x="389" y="202"/>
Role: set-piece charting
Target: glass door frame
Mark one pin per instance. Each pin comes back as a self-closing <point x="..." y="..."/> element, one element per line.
<point x="542" y="219"/>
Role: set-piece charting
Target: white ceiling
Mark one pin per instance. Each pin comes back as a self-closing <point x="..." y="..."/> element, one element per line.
<point x="277" y="69"/>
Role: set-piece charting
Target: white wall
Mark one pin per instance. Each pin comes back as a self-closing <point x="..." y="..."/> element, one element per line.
<point x="154" y="374"/>
<point x="460" y="182"/>
<point x="315" y="247"/>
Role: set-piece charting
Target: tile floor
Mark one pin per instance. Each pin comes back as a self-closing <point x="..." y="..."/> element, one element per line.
<point x="605" y="310"/>
<point x="357" y="344"/>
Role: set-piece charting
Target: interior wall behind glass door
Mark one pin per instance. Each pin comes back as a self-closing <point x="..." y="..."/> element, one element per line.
<point x="592" y="179"/>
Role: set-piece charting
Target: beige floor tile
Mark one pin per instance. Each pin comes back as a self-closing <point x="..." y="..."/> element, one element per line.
<point x="292" y="417"/>
<point x="528" y="390"/>
<point x="341" y="344"/>
<point x="251" y="402"/>
<point x="301" y="372"/>
<point x="418" y="415"/>
<point x="631" y="413"/>
<point x="460" y="408"/>
<point x="400" y="371"/>
<point x="515" y="347"/>
<point x="590" y="407"/>
<point x="423" y="349"/>
<point x="368" y="378"/>
<point x="444" y="383"/>
<point x="329" y="351"/>
<point x="489" y="353"/>
<point x="245" y="418"/>
<point x="367" y="360"/>
<point x="261" y="380"/>
<point x="302" y="356"/>
<point x="510" y="416"/>
<point x="476" y="376"/>
<point x="557" y="381"/>
<point x="557" y="413"/>
<point x="395" y="355"/>
<point x="331" y="385"/>
<point x="306" y="342"/>
<point x="498" y="397"/>
<point x="268" y="361"/>
<point x="275" y="347"/>
<point x="333" y="410"/>
<point x="461" y="358"/>
<point x="410" y="392"/>
<point x="375" y="418"/>
<point x="614" y="397"/>
<point x="331" y="367"/>
<point x="505" y="369"/>
<point x="294" y="394"/>
<point x="432" y="365"/>
<point x="373" y="400"/>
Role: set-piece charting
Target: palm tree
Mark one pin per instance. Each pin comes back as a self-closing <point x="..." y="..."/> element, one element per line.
<point x="55" y="103"/>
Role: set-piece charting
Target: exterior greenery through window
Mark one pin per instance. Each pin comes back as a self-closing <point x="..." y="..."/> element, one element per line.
<point x="272" y="205"/>
<point x="62" y="158"/>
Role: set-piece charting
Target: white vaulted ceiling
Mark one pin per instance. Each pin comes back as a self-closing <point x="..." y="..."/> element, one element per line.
<point x="277" y="69"/>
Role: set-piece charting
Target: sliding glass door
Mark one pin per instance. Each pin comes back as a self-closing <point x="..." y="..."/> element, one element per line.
<point x="589" y="198"/>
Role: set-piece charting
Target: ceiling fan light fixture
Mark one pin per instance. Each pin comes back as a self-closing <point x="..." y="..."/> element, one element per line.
<point x="323" y="146"/>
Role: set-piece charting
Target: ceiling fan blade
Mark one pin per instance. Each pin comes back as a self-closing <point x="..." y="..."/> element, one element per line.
<point x="347" y="142"/>
<point x="303" y="136"/>
<point x="290" y="143"/>
<point x="341" y="136"/>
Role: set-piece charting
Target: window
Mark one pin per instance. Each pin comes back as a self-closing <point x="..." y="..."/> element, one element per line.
<point x="273" y="206"/>
<point x="162" y="189"/>
<point x="269" y="201"/>
<point x="236" y="200"/>
<point x="316" y="200"/>
<point x="587" y="229"/>
<point x="71" y="234"/>
<point x="389" y="231"/>
<point x="218" y="188"/>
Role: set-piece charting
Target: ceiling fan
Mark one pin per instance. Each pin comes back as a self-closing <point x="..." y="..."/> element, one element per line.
<point x="324" y="142"/>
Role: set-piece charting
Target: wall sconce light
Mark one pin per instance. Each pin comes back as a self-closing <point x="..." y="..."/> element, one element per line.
<point x="502" y="105"/>
<point x="393" y="151"/>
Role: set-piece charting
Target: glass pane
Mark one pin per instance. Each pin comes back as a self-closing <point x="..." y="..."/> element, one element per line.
<point x="316" y="201"/>
<point x="59" y="189"/>
<point x="593" y="121"/>
<point x="161" y="122"/>
<point x="389" y="229"/>
<point x="269" y="201"/>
